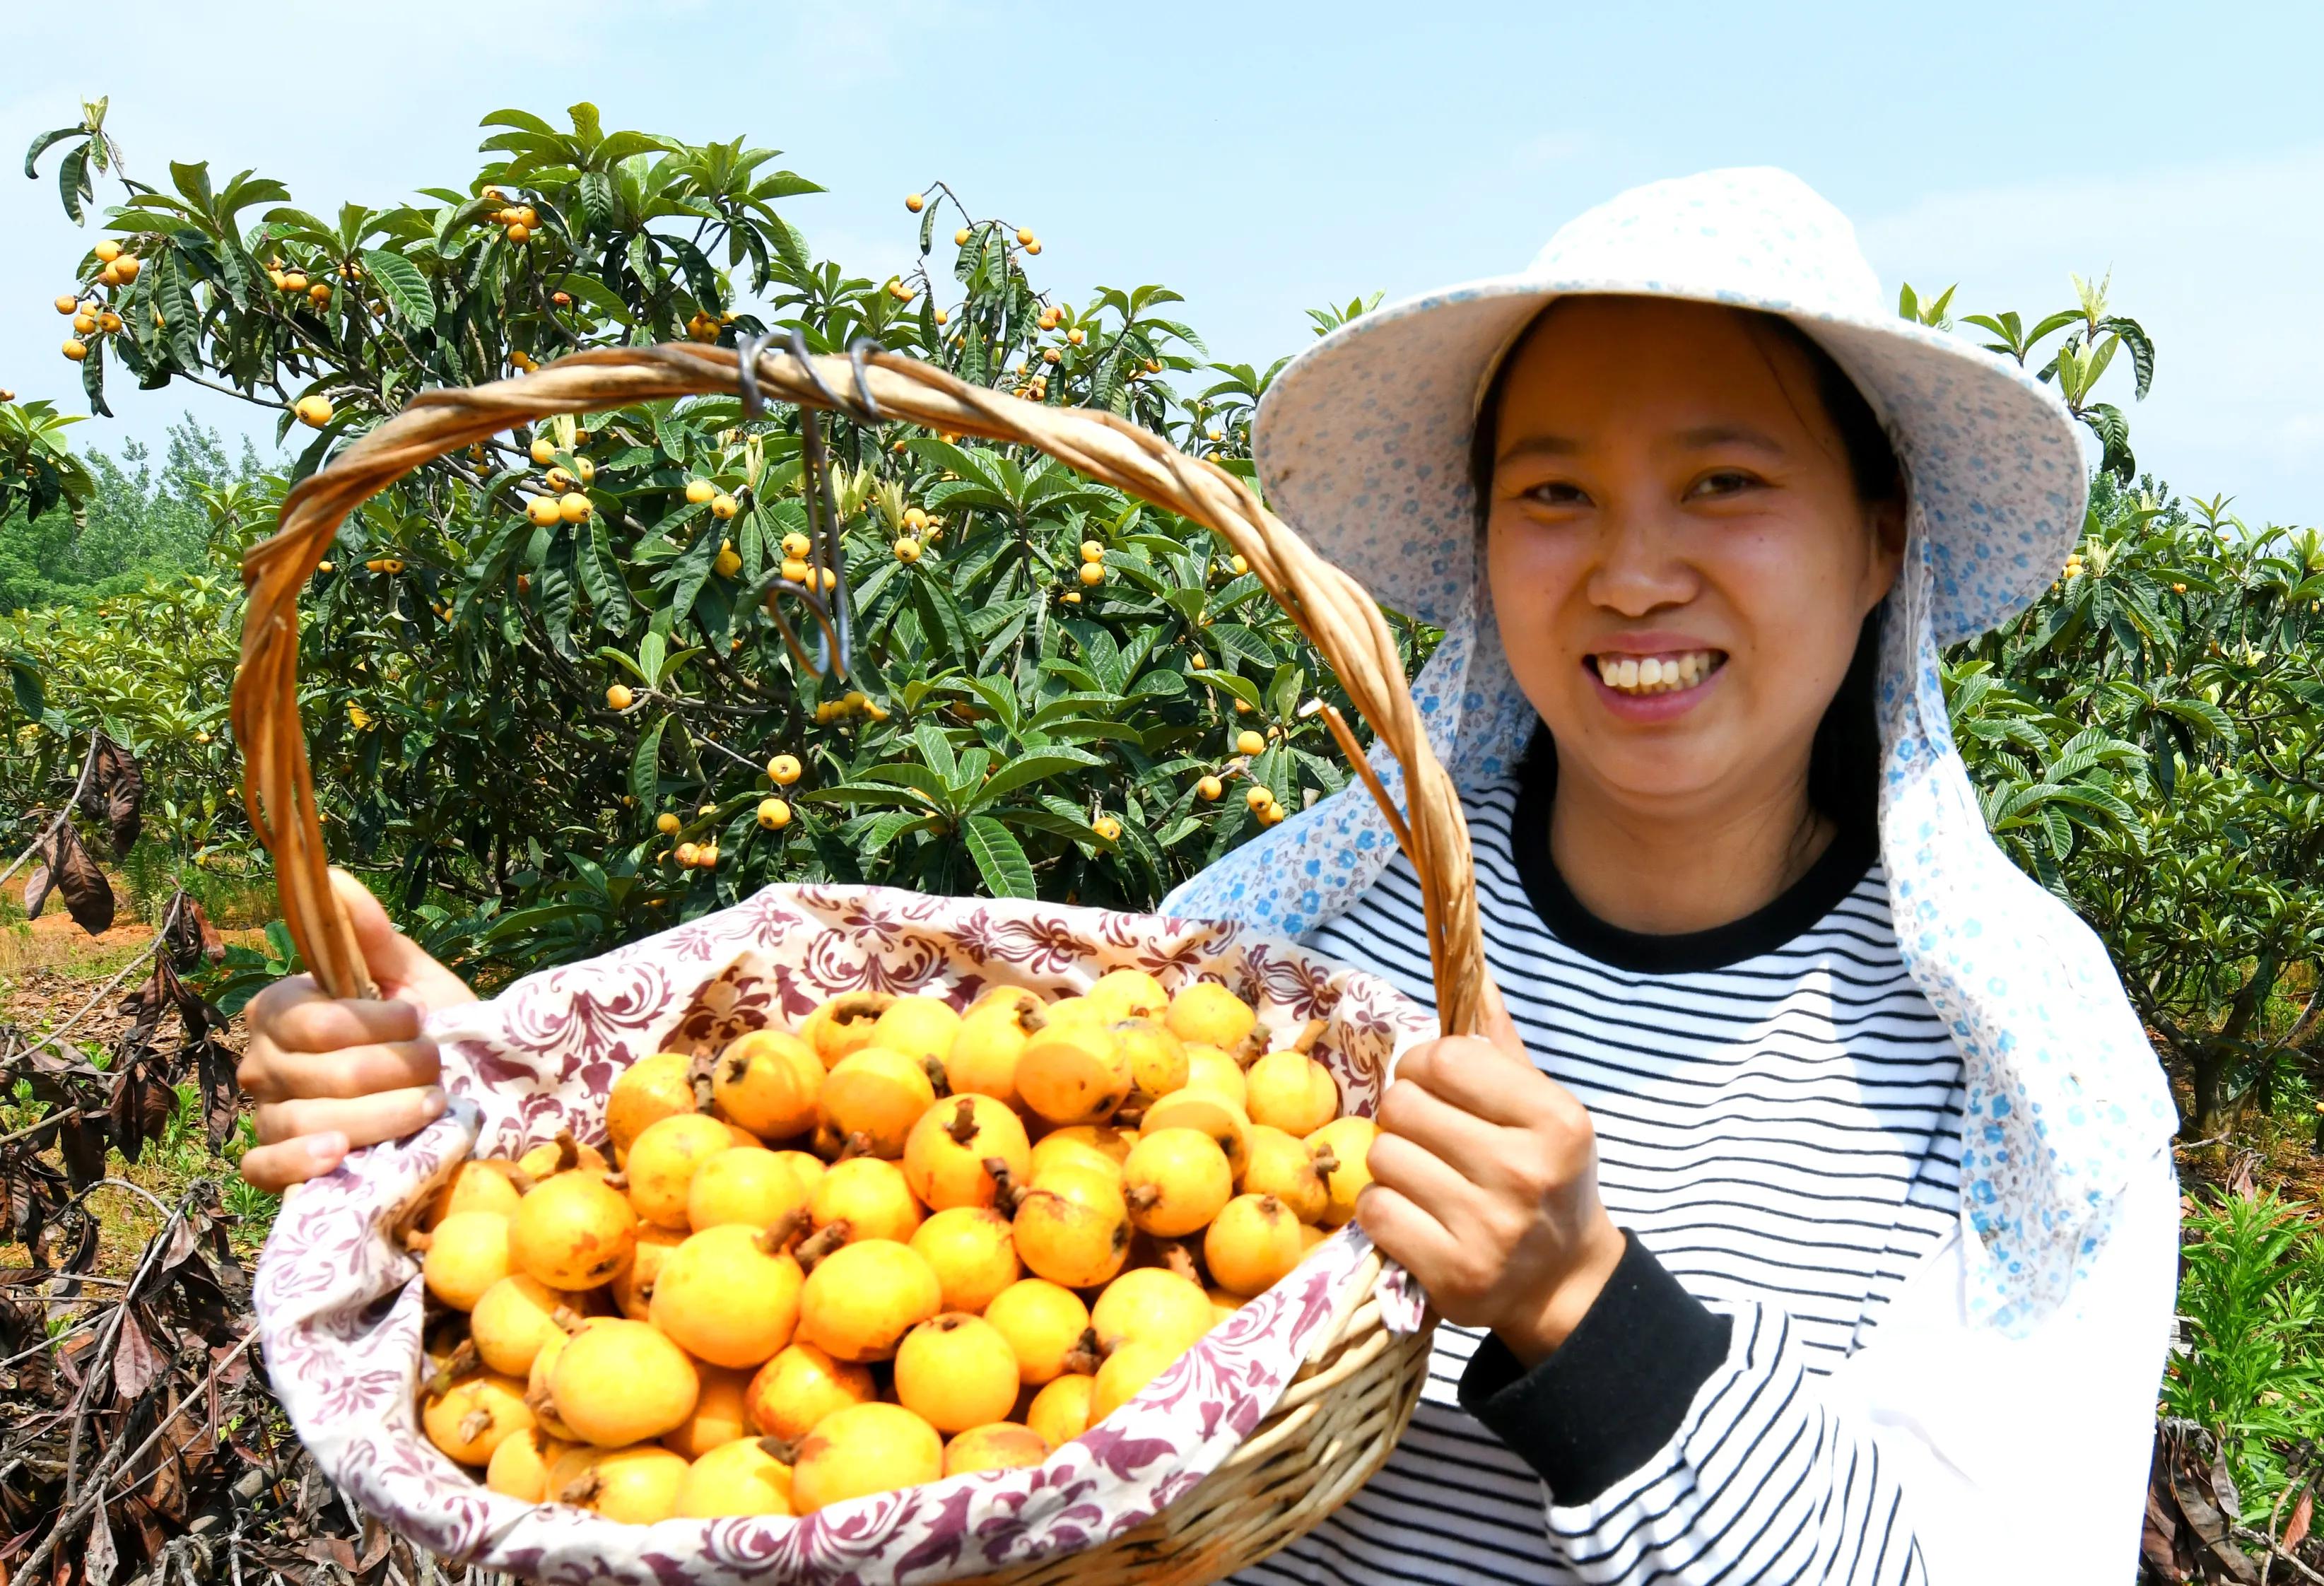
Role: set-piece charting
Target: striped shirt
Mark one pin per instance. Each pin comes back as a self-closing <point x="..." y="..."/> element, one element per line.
<point x="1778" y="1115"/>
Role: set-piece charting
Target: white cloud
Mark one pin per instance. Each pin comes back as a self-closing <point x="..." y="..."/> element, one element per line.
<point x="2216" y="259"/>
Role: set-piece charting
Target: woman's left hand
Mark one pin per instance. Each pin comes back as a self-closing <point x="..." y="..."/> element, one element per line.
<point x="1485" y="1188"/>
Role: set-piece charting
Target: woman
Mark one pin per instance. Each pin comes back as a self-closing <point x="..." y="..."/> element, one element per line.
<point x="1807" y="1215"/>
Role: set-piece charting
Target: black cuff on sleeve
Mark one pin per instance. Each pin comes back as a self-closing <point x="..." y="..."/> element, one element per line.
<point x="1614" y="1391"/>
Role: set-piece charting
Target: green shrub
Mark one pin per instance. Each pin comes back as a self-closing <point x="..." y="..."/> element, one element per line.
<point x="2251" y="1298"/>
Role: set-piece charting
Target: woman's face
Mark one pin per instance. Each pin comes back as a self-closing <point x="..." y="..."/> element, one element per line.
<point x="1680" y="563"/>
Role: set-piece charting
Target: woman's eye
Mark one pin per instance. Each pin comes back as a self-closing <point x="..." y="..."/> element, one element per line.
<point x="1557" y="494"/>
<point x="1722" y="482"/>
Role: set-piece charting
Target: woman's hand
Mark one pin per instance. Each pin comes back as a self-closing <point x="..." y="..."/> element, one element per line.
<point x="1485" y="1187"/>
<point x="329" y="1075"/>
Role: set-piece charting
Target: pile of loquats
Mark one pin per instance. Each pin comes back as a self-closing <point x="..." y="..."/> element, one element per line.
<point x="902" y="1243"/>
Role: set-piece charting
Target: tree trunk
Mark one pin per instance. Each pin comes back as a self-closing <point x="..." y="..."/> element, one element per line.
<point x="2211" y="1114"/>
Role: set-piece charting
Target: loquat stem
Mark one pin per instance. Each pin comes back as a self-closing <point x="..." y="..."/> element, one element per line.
<point x="778" y="1236"/>
<point x="963" y="1127"/>
<point x="1006" y="1192"/>
<point x="831" y="1237"/>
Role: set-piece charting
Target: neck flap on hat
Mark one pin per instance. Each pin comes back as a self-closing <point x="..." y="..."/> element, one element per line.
<point x="2065" y="1099"/>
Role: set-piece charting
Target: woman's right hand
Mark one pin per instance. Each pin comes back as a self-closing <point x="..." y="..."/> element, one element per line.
<point x="329" y="1075"/>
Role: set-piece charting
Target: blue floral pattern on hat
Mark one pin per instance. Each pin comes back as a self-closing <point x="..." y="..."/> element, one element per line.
<point x="1363" y="445"/>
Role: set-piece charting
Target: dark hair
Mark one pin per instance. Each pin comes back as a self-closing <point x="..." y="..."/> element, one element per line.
<point x="1844" y="761"/>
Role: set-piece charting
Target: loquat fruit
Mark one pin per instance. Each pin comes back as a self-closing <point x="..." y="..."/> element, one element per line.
<point x="973" y="1254"/>
<point x="1207" y="1013"/>
<point x="863" y="1299"/>
<point x="742" y="1477"/>
<point x="518" y="1466"/>
<point x="862" y="1450"/>
<point x="1072" y="1227"/>
<point x="1292" y="1092"/>
<point x="573" y="507"/>
<point x="467" y="1254"/>
<point x="470" y="1419"/>
<point x="915" y="202"/>
<point x="1250" y="742"/>
<point x="1060" y="1411"/>
<point x="663" y="1160"/>
<point x="1152" y="1305"/>
<point x="1126" y="1372"/>
<point x="729" y="1294"/>
<point x="724" y="506"/>
<point x="513" y="1318"/>
<point x="616" y="1382"/>
<point x="1341" y="1149"/>
<point x="475" y="1187"/>
<point x="1175" y="1181"/>
<point x="632" y="1291"/>
<point x="864" y="1198"/>
<point x="1047" y="1328"/>
<point x="1087" y="1145"/>
<point x="982" y="1058"/>
<point x="1070" y="1075"/>
<point x="998" y="1445"/>
<point x="907" y="549"/>
<point x="619" y="698"/>
<point x="314" y="412"/>
<point x="1093" y="572"/>
<point x="1277" y="1163"/>
<point x="748" y="1185"/>
<point x="573" y="1231"/>
<point x="920" y="1027"/>
<point x="720" y="1413"/>
<point x="878" y="1094"/>
<point x="1252" y="1245"/>
<point x="544" y="512"/>
<point x="636" y="1486"/>
<point x="700" y="491"/>
<point x="1208" y="789"/>
<point x="1128" y="994"/>
<point x="768" y="1081"/>
<point x="1206" y="1111"/>
<point x="1107" y="828"/>
<point x="802" y="1384"/>
<point x="955" y="1371"/>
<point x="844" y="1024"/>
<point x="1157" y="1059"/>
<point x="961" y="1150"/>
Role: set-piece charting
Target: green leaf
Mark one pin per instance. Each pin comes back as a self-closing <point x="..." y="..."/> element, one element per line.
<point x="47" y="140"/>
<point x="600" y="575"/>
<point x="1027" y="768"/>
<point x="1007" y="872"/>
<point x="645" y="766"/>
<point x="92" y="379"/>
<point x="72" y="182"/>
<point x="400" y="282"/>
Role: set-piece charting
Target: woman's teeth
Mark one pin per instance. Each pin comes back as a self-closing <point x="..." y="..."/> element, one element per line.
<point x="1656" y="674"/>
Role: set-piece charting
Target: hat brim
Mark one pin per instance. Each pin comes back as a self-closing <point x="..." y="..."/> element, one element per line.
<point x="1362" y="443"/>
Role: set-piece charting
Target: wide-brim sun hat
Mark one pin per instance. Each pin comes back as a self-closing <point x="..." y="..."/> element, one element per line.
<point x="1363" y="440"/>
<point x="1363" y="445"/>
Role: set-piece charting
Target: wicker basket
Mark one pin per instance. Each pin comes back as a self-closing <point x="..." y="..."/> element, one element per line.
<point x="1351" y="1401"/>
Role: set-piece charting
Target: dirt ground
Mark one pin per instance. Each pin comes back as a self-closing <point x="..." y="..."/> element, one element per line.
<point x="51" y="971"/>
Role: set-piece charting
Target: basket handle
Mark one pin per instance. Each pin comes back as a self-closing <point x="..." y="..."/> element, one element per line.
<point x="1329" y="608"/>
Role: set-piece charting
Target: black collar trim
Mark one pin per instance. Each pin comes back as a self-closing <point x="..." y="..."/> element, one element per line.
<point x="1831" y="878"/>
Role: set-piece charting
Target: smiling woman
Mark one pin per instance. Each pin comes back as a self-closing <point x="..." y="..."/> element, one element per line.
<point x="1805" y="1215"/>
<point x="1708" y="513"/>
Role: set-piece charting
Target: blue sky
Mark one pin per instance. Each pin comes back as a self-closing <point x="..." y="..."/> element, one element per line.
<point x="1265" y="158"/>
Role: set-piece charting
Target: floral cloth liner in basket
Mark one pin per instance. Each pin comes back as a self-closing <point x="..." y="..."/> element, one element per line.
<point x="339" y="1303"/>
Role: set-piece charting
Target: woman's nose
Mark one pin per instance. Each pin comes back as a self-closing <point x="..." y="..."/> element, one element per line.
<point x="1639" y="566"/>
